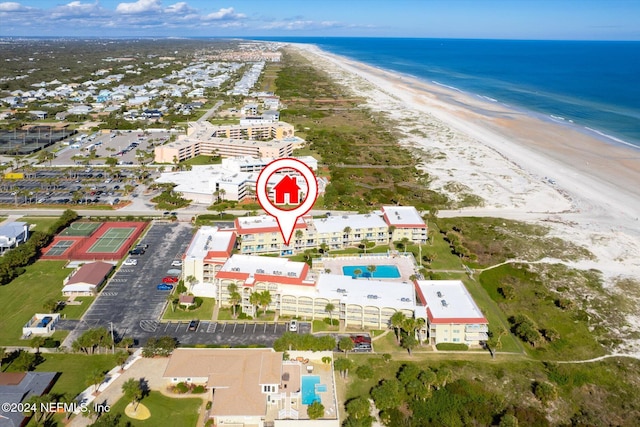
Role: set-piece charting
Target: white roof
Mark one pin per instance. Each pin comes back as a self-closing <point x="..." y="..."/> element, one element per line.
<point x="79" y="287"/>
<point x="12" y="229"/>
<point x="272" y="266"/>
<point x="335" y="224"/>
<point x="208" y="239"/>
<point x="261" y="221"/>
<point x="458" y="303"/>
<point x="378" y="293"/>
<point x="402" y="215"/>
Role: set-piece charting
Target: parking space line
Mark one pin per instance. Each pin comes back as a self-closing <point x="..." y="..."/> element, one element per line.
<point x="167" y="326"/>
<point x="244" y="329"/>
<point x="215" y="325"/>
<point x="198" y="328"/>
<point x="254" y="327"/>
<point x="234" y="327"/>
<point x="265" y="328"/>
<point x="178" y="326"/>
<point x="275" y="328"/>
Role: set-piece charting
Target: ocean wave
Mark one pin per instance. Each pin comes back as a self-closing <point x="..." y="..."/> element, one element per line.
<point x="488" y="98"/>
<point x="613" y="138"/>
<point x="447" y="86"/>
<point x="557" y="117"/>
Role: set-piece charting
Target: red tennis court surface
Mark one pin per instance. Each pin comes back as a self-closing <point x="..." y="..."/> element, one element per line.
<point x="119" y="236"/>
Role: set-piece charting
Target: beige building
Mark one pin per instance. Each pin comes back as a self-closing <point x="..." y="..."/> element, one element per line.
<point x="274" y="140"/>
<point x="405" y="222"/>
<point x="262" y="235"/>
<point x="252" y="387"/>
<point x="452" y="315"/>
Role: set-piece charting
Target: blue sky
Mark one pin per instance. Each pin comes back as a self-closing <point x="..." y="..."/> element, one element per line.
<point x="512" y="19"/>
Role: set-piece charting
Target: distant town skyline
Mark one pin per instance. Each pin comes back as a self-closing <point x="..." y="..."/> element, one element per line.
<point x="499" y="19"/>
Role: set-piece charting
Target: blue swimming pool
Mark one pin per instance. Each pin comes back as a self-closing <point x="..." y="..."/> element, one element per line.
<point x="309" y="389"/>
<point x="381" y="272"/>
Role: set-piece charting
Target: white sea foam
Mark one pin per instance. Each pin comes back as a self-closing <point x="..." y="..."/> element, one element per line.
<point x="613" y="138"/>
<point x="448" y="87"/>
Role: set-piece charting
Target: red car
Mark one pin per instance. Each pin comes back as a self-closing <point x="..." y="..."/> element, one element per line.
<point x="361" y="339"/>
<point x="170" y="279"/>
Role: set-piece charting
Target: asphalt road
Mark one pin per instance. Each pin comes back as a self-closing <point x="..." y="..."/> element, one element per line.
<point x="130" y="300"/>
<point x="132" y="304"/>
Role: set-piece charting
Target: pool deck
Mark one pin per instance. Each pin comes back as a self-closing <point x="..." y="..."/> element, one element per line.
<point x="291" y="386"/>
<point x="404" y="263"/>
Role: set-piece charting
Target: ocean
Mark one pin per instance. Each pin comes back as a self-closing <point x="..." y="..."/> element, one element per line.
<point x="594" y="85"/>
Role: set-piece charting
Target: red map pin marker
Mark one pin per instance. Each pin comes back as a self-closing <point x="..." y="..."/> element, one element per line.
<point x="287" y="191"/>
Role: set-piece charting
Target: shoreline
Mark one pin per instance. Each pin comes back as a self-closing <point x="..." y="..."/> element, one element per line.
<point x="585" y="153"/>
<point x="583" y="189"/>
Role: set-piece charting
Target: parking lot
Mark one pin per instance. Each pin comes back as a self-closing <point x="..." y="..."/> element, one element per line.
<point x="122" y="145"/>
<point x="133" y="305"/>
<point x="130" y="300"/>
<point x="89" y="185"/>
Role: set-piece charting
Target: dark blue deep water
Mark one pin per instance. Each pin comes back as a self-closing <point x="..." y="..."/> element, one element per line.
<point x="591" y="84"/>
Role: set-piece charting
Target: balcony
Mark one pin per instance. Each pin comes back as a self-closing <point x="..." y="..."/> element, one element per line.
<point x="476" y="328"/>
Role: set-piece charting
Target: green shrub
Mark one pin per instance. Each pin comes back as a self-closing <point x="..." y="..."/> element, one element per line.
<point x="181" y="388"/>
<point x="364" y="372"/>
<point x="199" y="389"/>
<point x="452" y="346"/>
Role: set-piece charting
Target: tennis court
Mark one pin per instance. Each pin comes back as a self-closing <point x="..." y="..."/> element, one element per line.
<point x="112" y="240"/>
<point x="60" y="247"/>
<point x="81" y="229"/>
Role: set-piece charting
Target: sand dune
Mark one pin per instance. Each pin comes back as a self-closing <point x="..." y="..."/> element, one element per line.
<point x="523" y="166"/>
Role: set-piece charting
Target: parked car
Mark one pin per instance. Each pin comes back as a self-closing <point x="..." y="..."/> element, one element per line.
<point x="136" y="251"/>
<point x="130" y="261"/>
<point x="164" y="287"/>
<point x="170" y="279"/>
<point x="362" y="347"/>
<point x="193" y="325"/>
<point x="361" y="339"/>
<point x="176" y="263"/>
<point x="293" y="326"/>
<point x="142" y="245"/>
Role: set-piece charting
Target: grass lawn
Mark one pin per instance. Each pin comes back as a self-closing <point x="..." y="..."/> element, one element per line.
<point x="533" y="300"/>
<point x="201" y="160"/>
<point x="165" y="411"/>
<point x="204" y="312"/>
<point x="39" y="223"/>
<point x="76" y="311"/>
<point x="321" y="325"/>
<point x="25" y="295"/>
<point x="74" y="369"/>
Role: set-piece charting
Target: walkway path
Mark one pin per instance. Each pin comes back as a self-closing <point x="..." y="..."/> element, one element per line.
<point x="210" y="112"/>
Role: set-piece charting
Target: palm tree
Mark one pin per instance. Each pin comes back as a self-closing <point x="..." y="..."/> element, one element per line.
<point x="364" y="243"/>
<point x="357" y="272"/>
<point x="329" y="308"/>
<point x="397" y="320"/>
<point x="221" y="193"/>
<point x="346" y="231"/>
<point x="420" y="322"/>
<point x="409" y="325"/>
<point x="171" y="299"/>
<point x="234" y="299"/>
<point x="95" y="378"/>
<point x="299" y="235"/>
<point x="191" y="280"/>
<point x="265" y="300"/>
<point x="254" y="299"/>
<point x="37" y="342"/>
<point x="132" y="391"/>
<point x="371" y="269"/>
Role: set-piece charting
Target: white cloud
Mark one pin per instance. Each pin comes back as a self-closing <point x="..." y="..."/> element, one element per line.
<point x="12" y="6"/>
<point x="223" y="14"/>
<point x="141" y="6"/>
<point x="180" y="8"/>
<point x="77" y="8"/>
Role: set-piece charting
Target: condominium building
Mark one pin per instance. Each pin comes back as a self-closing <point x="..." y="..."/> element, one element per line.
<point x="268" y="139"/>
<point x="405" y="222"/>
<point x="235" y="179"/>
<point x="207" y="252"/>
<point x="334" y="232"/>
<point x="452" y="315"/>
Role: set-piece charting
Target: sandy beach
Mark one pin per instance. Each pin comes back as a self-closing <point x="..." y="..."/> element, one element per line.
<point x="523" y="167"/>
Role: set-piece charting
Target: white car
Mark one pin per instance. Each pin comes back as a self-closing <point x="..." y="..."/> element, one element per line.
<point x="293" y="326"/>
<point x="176" y="263"/>
<point x="131" y="261"/>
